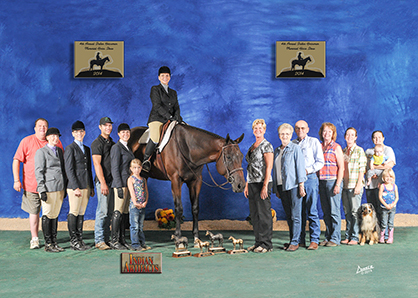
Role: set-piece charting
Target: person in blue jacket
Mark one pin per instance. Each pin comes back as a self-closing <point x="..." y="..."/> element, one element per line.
<point x="289" y="176"/>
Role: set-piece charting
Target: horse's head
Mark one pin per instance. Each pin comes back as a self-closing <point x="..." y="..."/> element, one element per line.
<point x="229" y="163"/>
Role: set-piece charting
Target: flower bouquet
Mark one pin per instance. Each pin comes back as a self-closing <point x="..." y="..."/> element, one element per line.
<point x="165" y="218"/>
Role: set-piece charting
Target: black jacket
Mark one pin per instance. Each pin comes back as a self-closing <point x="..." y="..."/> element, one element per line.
<point x="165" y="106"/>
<point x="78" y="167"/>
<point x="121" y="159"/>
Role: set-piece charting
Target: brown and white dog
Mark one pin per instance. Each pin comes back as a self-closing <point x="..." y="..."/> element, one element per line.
<point x="369" y="230"/>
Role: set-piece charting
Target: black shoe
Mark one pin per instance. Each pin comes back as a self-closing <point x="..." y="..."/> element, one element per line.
<point x="117" y="246"/>
<point x="51" y="248"/>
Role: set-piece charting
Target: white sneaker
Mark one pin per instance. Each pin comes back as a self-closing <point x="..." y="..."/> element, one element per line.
<point x="34" y="243"/>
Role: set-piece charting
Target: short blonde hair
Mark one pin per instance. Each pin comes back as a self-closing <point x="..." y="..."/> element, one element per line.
<point x="285" y="126"/>
<point x="330" y="126"/>
<point x="388" y="172"/>
<point x="259" y="121"/>
<point x="134" y="161"/>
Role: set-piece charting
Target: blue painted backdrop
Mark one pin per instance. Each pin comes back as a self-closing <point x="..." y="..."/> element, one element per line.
<point x="222" y="56"/>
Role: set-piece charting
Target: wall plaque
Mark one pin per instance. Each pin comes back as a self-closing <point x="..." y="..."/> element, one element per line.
<point x="300" y="59"/>
<point x="98" y="59"/>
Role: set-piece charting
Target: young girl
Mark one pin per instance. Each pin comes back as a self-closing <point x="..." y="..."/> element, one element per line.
<point x="388" y="196"/>
<point x="139" y="198"/>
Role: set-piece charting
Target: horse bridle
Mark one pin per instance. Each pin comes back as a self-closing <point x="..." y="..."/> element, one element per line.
<point x="229" y="173"/>
<point x="230" y="178"/>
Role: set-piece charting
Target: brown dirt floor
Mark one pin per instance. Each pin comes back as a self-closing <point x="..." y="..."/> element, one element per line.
<point x="22" y="224"/>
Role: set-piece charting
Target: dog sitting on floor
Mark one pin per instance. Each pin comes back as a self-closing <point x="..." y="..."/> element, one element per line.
<point x="369" y="230"/>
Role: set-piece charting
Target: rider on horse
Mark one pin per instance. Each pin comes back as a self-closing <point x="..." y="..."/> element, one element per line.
<point x="165" y="106"/>
<point x="98" y="56"/>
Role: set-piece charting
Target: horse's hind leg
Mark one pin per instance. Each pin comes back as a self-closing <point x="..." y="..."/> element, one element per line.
<point x="194" y="190"/>
<point x="176" y="191"/>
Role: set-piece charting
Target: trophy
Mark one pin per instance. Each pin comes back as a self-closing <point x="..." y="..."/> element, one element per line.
<point x="241" y="246"/>
<point x="203" y="245"/>
<point x="220" y="239"/>
<point x="181" y="244"/>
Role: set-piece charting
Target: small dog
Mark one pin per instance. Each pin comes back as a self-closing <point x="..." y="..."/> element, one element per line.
<point x="369" y="230"/>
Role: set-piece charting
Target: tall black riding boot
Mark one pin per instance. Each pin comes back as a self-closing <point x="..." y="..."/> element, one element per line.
<point x="149" y="150"/>
<point x="80" y="222"/>
<point x="72" y="229"/>
<point x="115" y="233"/>
<point x="122" y="239"/>
<point x="54" y="230"/>
<point x="46" y="229"/>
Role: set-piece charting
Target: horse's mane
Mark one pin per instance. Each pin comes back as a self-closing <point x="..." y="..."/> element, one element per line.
<point x="204" y="131"/>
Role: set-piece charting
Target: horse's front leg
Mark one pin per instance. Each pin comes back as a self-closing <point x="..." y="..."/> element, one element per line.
<point x="194" y="190"/>
<point x="178" y="206"/>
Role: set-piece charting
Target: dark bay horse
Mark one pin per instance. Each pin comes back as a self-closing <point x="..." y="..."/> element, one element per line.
<point x="184" y="156"/>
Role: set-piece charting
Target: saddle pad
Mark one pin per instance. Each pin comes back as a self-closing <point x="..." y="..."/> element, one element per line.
<point x="167" y="135"/>
<point x="145" y="136"/>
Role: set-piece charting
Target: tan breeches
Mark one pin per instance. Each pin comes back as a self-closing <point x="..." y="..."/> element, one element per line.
<point x="155" y="130"/>
<point x="52" y="207"/>
<point x="78" y="205"/>
<point x="122" y="205"/>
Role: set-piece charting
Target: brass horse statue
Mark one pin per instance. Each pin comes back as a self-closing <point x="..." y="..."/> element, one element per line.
<point x="300" y="62"/>
<point x="183" y="158"/>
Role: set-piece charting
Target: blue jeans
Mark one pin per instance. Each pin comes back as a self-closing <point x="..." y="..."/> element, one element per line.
<point x="388" y="217"/>
<point x="136" y="220"/>
<point x="331" y="206"/>
<point x="310" y="210"/>
<point x="292" y="205"/>
<point x="351" y="203"/>
<point x="103" y="215"/>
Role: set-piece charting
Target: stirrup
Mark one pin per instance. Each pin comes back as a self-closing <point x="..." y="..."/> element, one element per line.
<point x="146" y="165"/>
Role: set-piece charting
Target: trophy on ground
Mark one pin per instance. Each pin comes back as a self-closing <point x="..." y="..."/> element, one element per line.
<point x="181" y="244"/>
<point x="241" y="246"/>
<point x="220" y="239"/>
<point x="203" y="245"/>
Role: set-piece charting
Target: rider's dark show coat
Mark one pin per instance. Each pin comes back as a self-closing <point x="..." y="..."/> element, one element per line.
<point x="164" y="105"/>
